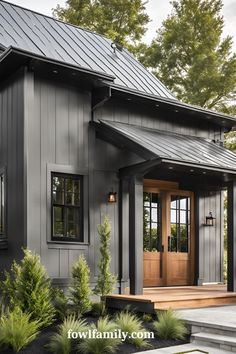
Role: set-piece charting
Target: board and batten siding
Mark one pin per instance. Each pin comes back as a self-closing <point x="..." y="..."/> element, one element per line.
<point x="12" y="161"/>
<point x="145" y="116"/>
<point x="60" y="139"/>
<point x="211" y="239"/>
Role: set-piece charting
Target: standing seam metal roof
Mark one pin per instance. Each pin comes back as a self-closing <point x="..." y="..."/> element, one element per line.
<point x="176" y="147"/>
<point x="43" y="35"/>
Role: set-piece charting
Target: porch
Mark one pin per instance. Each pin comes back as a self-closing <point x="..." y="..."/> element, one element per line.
<point x="181" y="297"/>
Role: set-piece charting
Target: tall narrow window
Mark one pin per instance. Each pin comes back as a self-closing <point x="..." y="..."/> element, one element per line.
<point x="67" y="207"/>
<point x="180" y="224"/>
<point x="151" y="222"/>
<point x="2" y="207"/>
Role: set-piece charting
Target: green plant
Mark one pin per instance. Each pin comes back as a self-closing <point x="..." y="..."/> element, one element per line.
<point x="61" y="343"/>
<point x="80" y="290"/>
<point x="28" y="287"/>
<point x="17" y="330"/>
<point x="147" y="317"/>
<point x="169" y="326"/>
<point x="106" y="280"/>
<point x="100" y="345"/>
<point x="98" y="309"/>
<point x="130" y="323"/>
<point x="60" y="304"/>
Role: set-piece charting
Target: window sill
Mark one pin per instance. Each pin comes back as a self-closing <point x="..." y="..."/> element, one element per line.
<point x="3" y="244"/>
<point x="67" y="245"/>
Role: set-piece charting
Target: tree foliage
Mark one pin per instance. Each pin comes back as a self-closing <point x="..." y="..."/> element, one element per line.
<point x="190" y="57"/>
<point x="123" y="21"/>
<point x="80" y="290"/>
<point x="106" y="280"/>
<point x="28" y="287"/>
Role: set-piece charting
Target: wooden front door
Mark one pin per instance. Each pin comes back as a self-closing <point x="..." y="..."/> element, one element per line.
<point x="168" y="237"/>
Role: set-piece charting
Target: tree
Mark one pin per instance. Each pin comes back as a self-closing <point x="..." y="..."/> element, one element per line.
<point x="80" y="290"/>
<point x="122" y="21"/>
<point x="28" y="287"/>
<point x="190" y="57"/>
<point x="106" y="280"/>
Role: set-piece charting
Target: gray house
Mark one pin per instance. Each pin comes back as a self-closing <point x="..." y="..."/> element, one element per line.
<point x="87" y="131"/>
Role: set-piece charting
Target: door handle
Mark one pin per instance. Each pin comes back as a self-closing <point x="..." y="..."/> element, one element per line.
<point x="162" y="248"/>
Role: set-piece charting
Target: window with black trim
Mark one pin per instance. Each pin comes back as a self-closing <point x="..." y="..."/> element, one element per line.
<point x="67" y="207"/>
<point x="2" y="208"/>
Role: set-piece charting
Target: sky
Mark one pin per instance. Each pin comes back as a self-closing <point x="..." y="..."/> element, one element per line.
<point x="157" y="10"/>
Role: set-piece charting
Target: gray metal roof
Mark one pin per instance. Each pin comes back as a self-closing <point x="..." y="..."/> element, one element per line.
<point x="172" y="147"/>
<point x="43" y="35"/>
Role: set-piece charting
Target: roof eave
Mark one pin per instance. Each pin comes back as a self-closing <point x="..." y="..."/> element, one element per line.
<point x="223" y="120"/>
<point x="14" y="58"/>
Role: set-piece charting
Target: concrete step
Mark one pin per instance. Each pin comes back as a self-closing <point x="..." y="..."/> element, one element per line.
<point x="219" y="341"/>
<point x="214" y="328"/>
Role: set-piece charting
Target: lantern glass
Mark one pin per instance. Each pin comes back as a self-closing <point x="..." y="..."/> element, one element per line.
<point x="112" y="197"/>
<point x="210" y="220"/>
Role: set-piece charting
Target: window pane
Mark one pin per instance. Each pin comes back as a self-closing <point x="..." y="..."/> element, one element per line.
<point x="72" y="222"/>
<point x="58" y="183"/>
<point x="146" y="215"/>
<point x="146" y="198"/>
<point x="58" y="197"/>
<point x="72" y="199"/>
<point x="174" y="202"/>
<point x="183" y="246"/>
<point x="58" y="225"/>
<point x="172" y="239"/>
<point x="72" y="185"/>
<point x="183" y="203"/>
<point x="154" y="215"/>
<point x="183" y="217"/>
<point x="173" y="216"/>
<point x="154" y="200"/>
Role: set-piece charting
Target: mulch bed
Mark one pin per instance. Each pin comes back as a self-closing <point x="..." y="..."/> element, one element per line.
<point x="38" y="345"/>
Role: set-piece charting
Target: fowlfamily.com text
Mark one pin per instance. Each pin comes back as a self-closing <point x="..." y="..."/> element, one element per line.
<point x="116" y="334"/>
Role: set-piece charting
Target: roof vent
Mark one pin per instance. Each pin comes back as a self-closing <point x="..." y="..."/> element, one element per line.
<point x="115" y="46"/>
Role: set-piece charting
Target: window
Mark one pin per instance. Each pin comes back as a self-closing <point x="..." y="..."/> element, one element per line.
<point x="180" y="224"/>
<point x="67" y="207"/>
<point x="2" y="208"/>
<point x="151" y="222"/>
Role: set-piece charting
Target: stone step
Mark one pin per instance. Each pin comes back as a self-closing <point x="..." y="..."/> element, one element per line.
<point x="219" y="341"/>
<point x="215" y="328"/>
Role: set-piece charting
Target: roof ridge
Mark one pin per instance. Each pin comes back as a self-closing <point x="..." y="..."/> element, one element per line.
<point x="57" y="20"/>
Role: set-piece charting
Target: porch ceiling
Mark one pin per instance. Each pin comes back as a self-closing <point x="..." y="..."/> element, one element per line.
<point x="170" y="148"/>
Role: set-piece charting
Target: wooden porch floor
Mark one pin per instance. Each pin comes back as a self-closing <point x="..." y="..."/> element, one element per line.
<point x="175" y="297"/>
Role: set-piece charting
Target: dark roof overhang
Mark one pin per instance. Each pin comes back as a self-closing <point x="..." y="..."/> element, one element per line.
<point x="178" y="108"/>
<point x="13" y="59"/>
<point x="187" y="160"/>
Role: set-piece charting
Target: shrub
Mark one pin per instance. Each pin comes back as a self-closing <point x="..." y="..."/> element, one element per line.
<point x="80" y="290"/>
<point x="170" y="326"/>
<point x="100" y="345"/>
<point x="130" y="323"/>
<point x="147" y="317"/>
<point x="16" y="329"/>
<point x="60" y="343"/>
<point x="29" y="288"/>
<point x="106" y="280"/>
<point x="98" y="309"/>
<point x="60" y="304"/>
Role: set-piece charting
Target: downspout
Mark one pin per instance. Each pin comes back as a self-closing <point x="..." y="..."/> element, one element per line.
<point x="103" y="95"/>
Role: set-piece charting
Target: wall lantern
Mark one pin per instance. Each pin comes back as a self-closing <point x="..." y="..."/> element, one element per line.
<point x="210" y="220"/>
<point x="112" y="197"/>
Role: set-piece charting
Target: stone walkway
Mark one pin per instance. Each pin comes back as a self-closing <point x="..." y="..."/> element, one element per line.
<point x="194" y="349"/>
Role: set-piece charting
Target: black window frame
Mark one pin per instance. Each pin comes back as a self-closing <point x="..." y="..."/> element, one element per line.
<point x="80" y="238"/>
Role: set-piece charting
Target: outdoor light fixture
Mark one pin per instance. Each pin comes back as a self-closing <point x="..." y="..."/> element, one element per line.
<point x="209" y="220"/>
<point x="112" y="197"/>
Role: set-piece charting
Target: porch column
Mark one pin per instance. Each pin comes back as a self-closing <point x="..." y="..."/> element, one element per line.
<point x="231" y="242"/>
<point x="136" y="235"/>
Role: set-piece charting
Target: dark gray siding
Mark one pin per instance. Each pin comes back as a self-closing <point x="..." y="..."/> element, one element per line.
<point x="59" y="138"/>
<point x="211" y="238"/>
<point x="11" y="159"/>
<point x="141" y="115"/>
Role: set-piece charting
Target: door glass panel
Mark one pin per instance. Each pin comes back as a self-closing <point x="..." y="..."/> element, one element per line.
<point x="151" y="222"/>
<point x="178" y="241"/>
